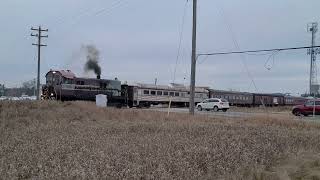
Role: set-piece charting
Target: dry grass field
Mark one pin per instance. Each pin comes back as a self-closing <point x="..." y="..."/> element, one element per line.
<point x="46" y="140"/>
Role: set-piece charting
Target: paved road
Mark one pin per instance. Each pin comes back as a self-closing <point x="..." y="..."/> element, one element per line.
<point x="236" y="114"/>
<point x="211" y="113"/>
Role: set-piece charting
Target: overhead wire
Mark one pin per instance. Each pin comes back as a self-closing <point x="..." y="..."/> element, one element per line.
<point x="259" y="54"/>
<point x="271" y="57"/>
<point x="203" y="60"/>
<point x="261" y="50"/>
<point x="236" y="44"/>
<point x="180" y="40"/>
<point x="62" y="20"/>
<point x="106" y="10"/>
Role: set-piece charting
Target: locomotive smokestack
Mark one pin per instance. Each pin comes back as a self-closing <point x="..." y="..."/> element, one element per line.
<point x="92" y="63"/>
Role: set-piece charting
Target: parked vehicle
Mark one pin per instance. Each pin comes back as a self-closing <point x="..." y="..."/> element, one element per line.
<point x="307" y="108"/>
<point x="215" y="104"/>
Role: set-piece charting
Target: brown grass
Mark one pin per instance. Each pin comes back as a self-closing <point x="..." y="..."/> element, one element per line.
<point x="46" y="140"/>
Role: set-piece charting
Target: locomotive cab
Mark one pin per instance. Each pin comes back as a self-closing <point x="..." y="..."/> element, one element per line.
<point x="54" y="82"/>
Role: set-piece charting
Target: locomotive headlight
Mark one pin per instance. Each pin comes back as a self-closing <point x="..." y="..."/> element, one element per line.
<point x="51" y="94"/>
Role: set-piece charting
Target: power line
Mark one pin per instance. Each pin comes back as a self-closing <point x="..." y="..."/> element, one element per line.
<point x="271" y="57"/>
<point x="259" y="54"/>
<point x="236" y="44"/>
<point x="255" y="51"/>
<point x="203" y="60"/>
<point x="180" y="40"/>
<point x="87" y="12"/>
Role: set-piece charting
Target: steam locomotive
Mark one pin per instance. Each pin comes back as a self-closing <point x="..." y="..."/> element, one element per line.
<point x="64" y="85"/>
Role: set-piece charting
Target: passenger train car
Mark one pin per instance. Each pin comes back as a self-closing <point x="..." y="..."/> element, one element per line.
<point x="143" y="95"/>
<point x="292" y="100"/>
<point x="247" y="99"/>
<point x="234" y="98"/>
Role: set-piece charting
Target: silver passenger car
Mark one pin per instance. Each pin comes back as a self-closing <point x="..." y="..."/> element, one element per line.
<point x="144" y="95"/>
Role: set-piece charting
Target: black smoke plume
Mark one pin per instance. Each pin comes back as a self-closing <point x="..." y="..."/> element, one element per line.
<point x="92" y="63"/>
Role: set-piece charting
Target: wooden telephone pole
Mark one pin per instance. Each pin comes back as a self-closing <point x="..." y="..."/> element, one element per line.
<point x="39" y="31"/>
<point x="193" y="59"/>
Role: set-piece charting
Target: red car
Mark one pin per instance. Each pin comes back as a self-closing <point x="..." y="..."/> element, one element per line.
<point x="307" y="108"/>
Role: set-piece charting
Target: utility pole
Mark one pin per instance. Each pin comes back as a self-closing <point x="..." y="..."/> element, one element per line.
<point x="313" y="84"/>
<point x="39" y="31"/>
<point x="193" y="59"/>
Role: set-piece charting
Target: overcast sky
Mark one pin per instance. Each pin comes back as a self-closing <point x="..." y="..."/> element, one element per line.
<point x="139" y="39"/>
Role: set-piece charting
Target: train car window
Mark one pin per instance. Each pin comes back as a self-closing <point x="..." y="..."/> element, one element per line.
<point x="103" y="85"/>
<point x="49" y="78"/>
<point x="176" y="94"/>
<point x="317" y="103"/>
<point x="171" y="93"/>
<point x="67" y="81"/>
<point x="56" y="79"/>
<point x="165" y="93"/>
<point x="80" y="82"/>
<point x="159" y="93"/>
<point x="310" y="103"/>
<point x="153" y="92"/>
<point x="147" y="92"/>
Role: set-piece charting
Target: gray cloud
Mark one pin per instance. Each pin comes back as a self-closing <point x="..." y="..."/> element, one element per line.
<point x="138" y="41"/>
